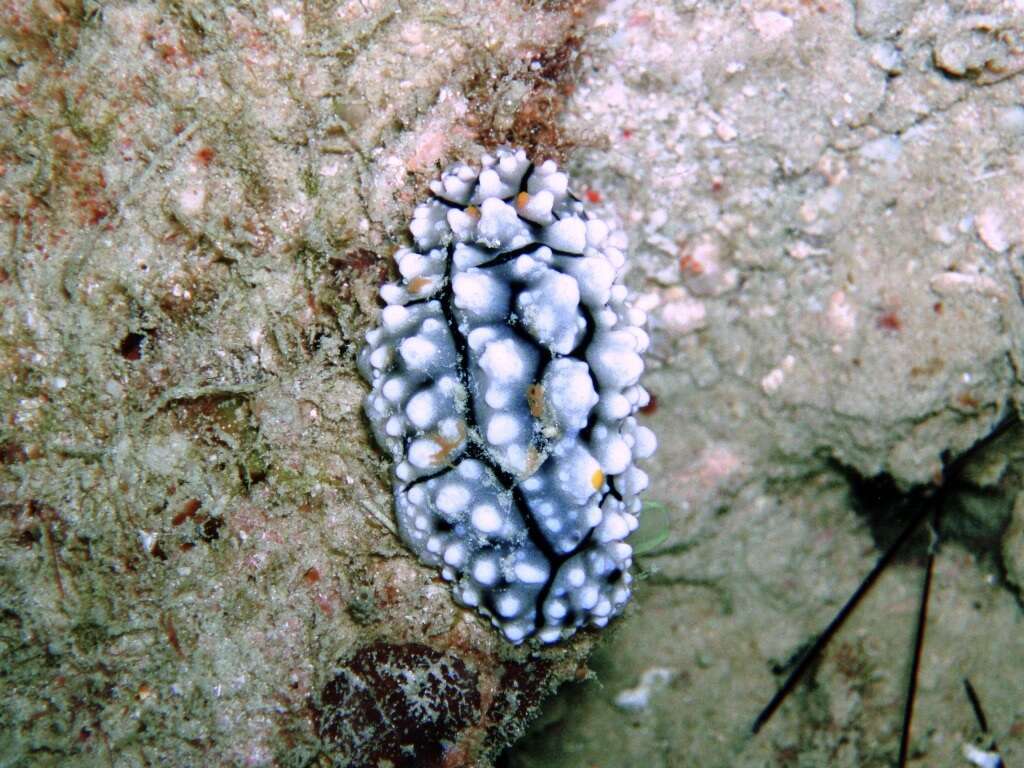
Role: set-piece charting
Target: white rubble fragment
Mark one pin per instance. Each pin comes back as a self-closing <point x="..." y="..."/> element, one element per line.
<point x="772" y="25"/>
<point x="639" y="698"/>
<point x="992" y="230"/>
<point x="841" y="316"/>
<point x="683" y="315"/>
<point x="951" y="283"/>
<point x="772" y="382"/>
<point x="886" y="149"/>
<point x="982" y="758"/>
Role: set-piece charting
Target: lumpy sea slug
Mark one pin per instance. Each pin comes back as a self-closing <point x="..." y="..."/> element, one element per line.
<point x="505" y="378"/>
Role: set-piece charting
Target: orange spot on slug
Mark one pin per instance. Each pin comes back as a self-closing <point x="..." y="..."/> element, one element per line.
<point x="535" y="399"/>
<point x="417" y="284"/>
<point x="447" y="446"/>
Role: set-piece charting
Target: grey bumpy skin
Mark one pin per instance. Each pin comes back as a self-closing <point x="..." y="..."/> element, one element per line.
<point x="505" y="378"/>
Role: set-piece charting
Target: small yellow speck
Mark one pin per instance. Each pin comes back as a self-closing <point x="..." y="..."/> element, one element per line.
<point x="522" y="199"/>
<point x="473" y="212"/>
<point x="597" y="479"/>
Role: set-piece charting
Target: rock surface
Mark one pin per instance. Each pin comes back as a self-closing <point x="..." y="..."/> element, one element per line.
<point x="824" y="202"/>
<point x="199" y="205"/>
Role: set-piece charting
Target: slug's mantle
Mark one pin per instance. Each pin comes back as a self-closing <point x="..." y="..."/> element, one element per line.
<point x="505" y="377"/>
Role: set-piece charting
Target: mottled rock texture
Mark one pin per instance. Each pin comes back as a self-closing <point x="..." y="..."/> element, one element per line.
<point x="825" y="204"/>
<point x="199" y="204"/>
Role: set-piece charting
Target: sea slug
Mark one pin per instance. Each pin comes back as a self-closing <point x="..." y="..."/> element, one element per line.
<point x="505" y="375"/>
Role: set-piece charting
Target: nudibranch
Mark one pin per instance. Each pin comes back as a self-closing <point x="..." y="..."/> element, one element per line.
<point x="505" y="378"/>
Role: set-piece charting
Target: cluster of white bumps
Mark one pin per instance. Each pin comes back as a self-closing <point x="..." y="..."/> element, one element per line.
<point x="505" y="378"/>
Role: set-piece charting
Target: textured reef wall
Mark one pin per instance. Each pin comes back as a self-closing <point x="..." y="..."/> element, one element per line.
<point x="199" y="201"/>
<point x="825" y="202"/>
